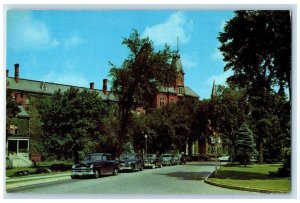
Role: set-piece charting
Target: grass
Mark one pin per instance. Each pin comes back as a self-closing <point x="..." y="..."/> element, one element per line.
<point x="11" y="172"/>
<point x="254" y="176"/>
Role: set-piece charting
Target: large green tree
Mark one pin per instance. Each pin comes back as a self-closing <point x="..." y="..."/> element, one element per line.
<point x="230" y="111"/>
<point x="72" y="123"/>
<point x="139" y="78"/>
<point x="256" y="45"/>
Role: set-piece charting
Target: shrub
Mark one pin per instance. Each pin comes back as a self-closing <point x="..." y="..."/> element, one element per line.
<point x="61" y="167"/>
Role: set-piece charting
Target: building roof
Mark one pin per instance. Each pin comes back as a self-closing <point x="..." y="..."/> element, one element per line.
<point x="189" y="92"/>
<point x="49" y="88"/>
<point x="177" y="63"/>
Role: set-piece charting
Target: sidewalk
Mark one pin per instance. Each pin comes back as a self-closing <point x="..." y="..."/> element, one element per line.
<point x="25" y="181"/>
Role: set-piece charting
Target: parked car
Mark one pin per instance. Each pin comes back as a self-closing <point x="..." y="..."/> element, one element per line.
<point x="95" y="165"/>
<point x="131" y="161"/>
<point x="176" y="158"/>
<point x="183" y="159"/>
<point x="167" y="159"/>
<point x="152" y="161"/>
<point x="224" y="158"/>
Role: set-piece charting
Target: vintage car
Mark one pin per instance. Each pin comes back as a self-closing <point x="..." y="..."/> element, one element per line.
<point x="167" y="159"/>
<point x="152" y="161"/>
<point x="131" y="162"/>
<point x="95" y="165"/>
<point x="183" y="159"/>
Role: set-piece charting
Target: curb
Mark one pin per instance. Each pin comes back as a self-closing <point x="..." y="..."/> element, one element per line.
<point x="241" y="188"/>
<point x="30" y="178"/>
<point x="36" y="181"/>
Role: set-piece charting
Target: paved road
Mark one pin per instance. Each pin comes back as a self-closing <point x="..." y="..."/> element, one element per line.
<point x="175" y="180"/>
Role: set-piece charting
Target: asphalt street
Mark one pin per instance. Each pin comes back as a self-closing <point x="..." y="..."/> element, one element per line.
<point x="169" y="180"/>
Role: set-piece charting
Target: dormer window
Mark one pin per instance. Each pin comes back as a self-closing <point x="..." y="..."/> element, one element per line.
<point x="181" y="90"/>
<point x="44" y="86"/>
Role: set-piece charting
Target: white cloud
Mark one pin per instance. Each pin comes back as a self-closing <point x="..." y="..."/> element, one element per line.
<point x="72" y="41"/>
<point x="217" y="55"/>
<point x="66" y="78"/>
<point x="68" y="75"/>
<point x="167" y="32"/>
<point x="24" y="32"/>
<point x="220" y="79"/>
<point x="188" y="62"/>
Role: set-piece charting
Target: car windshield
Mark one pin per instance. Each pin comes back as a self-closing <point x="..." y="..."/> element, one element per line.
<point x="92" y="157"/>
<point x="166" y="155"/>
<point x="127" y="156"/>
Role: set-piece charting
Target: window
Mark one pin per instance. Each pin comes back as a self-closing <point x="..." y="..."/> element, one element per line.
<point x="162" y="101"/>
<point x="13" y="129"/>
<point x="180" y="90"/>
<point x="44" y="86"/>
<point x="27" y="101"/>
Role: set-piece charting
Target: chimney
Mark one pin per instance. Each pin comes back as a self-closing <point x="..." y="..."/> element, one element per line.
<point x="105" y="86"/>
<point x="91" y="85"/>
<point x="7" y="72"/>
<point x="17" y="72"/>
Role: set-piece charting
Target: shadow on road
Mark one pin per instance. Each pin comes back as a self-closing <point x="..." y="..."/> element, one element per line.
<point x="187" y="175"/>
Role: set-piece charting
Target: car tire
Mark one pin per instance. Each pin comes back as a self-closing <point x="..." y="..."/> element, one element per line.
<point x="97" y="174"/>
<point x="73" y="177"/>
<point x="115" y="172"/>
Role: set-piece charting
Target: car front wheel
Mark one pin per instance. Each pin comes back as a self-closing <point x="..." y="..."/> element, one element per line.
<point x="96" y="175"/>
<point x="115" y="172"/>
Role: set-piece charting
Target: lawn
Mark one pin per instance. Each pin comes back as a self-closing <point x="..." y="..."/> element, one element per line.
<point x="11" y="172"/>
<point x="254" y="176"/>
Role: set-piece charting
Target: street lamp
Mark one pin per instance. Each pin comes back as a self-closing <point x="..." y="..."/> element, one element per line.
<point x="145" y="144"/>
<point x="215" y="141"/>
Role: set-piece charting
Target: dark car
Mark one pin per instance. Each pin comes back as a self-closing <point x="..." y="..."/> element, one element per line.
<point x="42" y="170"/>
<point x="183" y="159"/>
<point x="131" y="162"/>
<point x="95" y="165"/>
<point x="152" y="161"/>
<point x="167" y="159"/>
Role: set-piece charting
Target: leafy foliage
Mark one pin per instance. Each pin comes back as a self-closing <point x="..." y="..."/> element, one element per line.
<point x="72" y="122"/>
<point x="257" y="46"/>
<point x="139" y="78"/>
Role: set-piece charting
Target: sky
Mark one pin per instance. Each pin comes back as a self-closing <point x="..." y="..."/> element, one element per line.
<point x="75" y="47"/>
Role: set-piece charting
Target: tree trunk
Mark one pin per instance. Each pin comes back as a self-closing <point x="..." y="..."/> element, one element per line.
<point x="261" y="152"/>
<point x="76" y="156"/>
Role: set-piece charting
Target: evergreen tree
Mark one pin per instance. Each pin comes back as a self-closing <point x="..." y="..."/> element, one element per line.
<point x="245" y="144"/>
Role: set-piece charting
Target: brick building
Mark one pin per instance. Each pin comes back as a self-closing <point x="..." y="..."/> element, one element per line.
<point x="25" y="128"/>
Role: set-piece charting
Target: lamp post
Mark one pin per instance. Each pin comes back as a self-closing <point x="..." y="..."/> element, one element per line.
<point x="145" y="144"/>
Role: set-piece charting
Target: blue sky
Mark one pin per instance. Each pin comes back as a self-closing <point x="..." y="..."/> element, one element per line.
<point x="74" y="47"/>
